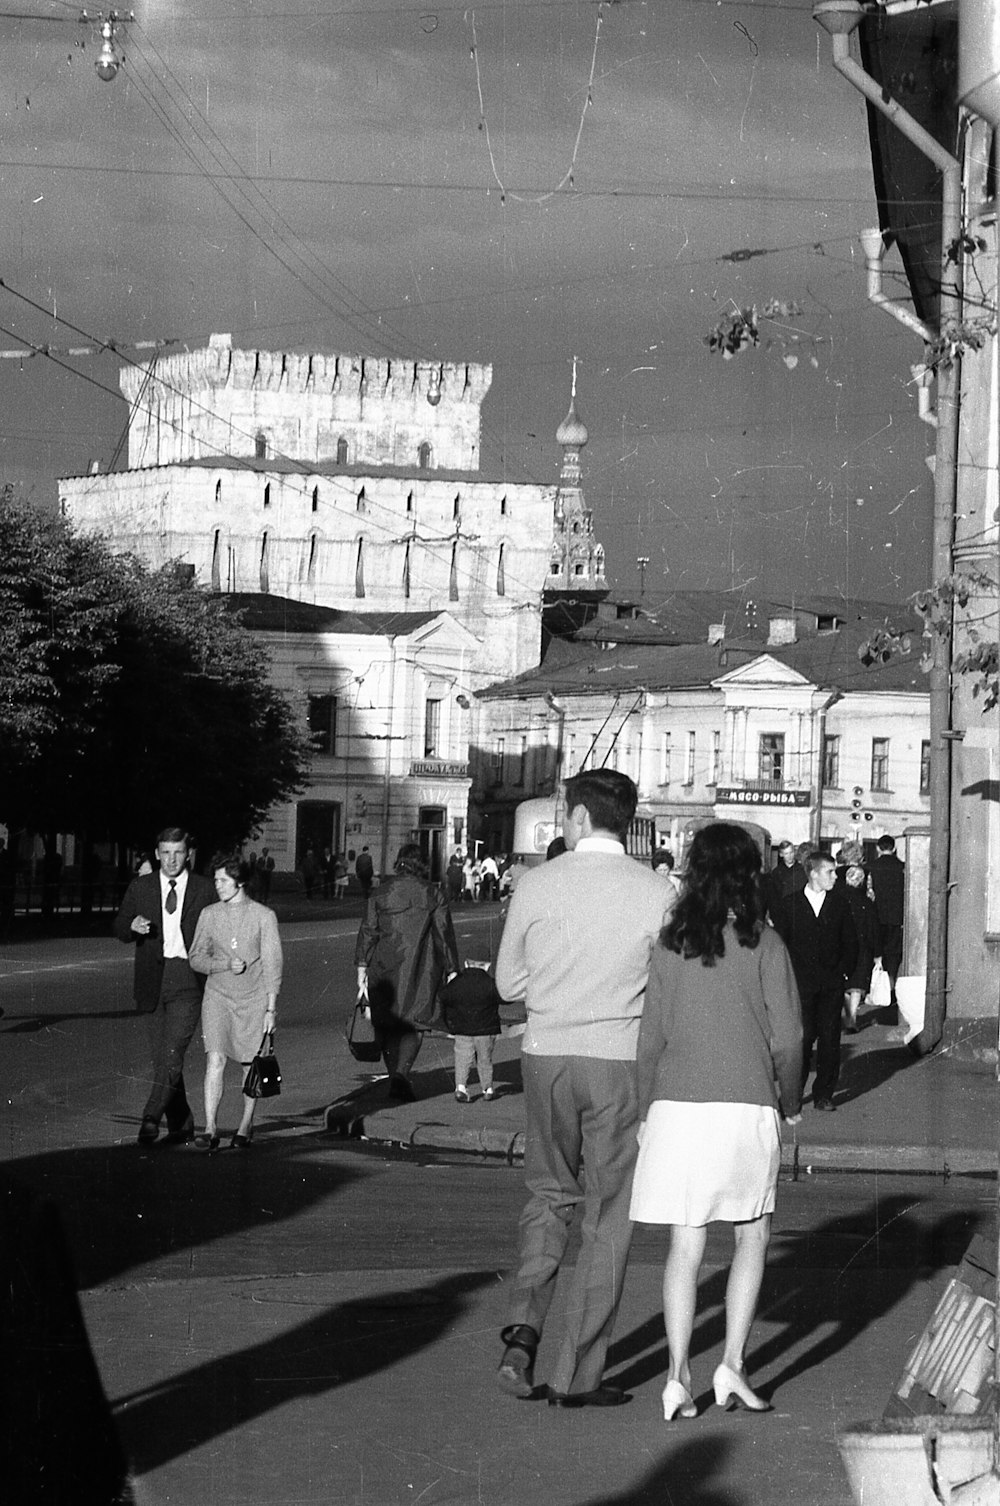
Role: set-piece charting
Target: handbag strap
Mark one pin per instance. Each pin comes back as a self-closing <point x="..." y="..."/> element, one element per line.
<point x="266" y="1040"/>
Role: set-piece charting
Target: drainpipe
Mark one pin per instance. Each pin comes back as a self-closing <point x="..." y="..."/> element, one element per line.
<point x="979" y="90"/>
<point x="387" y="773"/>
<point x="840" y="18"/>
<point x="874" y="246"/>
<point x="923" y="376"/>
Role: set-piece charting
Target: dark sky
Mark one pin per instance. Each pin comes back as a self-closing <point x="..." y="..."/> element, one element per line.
<point x="315" y="175"/>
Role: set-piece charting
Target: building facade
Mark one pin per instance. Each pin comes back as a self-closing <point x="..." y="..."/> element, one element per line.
<point x="788" y="731"/>
<point x="350" y="486"/>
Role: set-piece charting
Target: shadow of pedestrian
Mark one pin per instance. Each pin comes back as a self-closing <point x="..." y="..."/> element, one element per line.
<point x="863" y="1071"/>
<point x="689" y="1476"/>
<point x="345" y="1343"/>
<point x="122" y="1206"/>
<point x="810" y="1314"/>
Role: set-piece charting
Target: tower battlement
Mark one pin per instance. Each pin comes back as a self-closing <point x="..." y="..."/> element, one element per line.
<point x="373" y="410"/>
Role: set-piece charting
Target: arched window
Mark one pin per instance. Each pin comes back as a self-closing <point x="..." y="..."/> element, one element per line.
<point x="359" y="570"/>
<point x="311" y="564"/>
<point x="216" y="562"/>
<point x="406" y="571"/>
<point x="501" y="575"/>
<point x="341" y="451"/>
<point x="362" y="501"/>
<point x="409" y="502"/>
<point x="456" y="506"/>
<point x="424" y="456"/>
<point x="265" y="574"/>
<point x="267" y="495"/>
<point x="218" y="494"/>
<point x="453" y="573"/>
<point x="260" y="446"/>
<point x="503" y="507"/>
<point x="315" y="499"/>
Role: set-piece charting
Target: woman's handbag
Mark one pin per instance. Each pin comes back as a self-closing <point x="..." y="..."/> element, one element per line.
<point x="359" y="1033"/>
<point x="880" y="991"/>
<point x="263" y="1079"/>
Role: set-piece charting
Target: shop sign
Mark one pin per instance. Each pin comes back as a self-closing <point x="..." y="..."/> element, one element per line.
<point x="729" y="796"/>
<point x="433" y="768"/>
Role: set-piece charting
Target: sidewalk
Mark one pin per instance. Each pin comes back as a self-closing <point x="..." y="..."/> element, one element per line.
<point x="894" y="1113"/>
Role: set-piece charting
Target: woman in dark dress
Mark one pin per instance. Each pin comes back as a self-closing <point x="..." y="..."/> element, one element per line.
<point x="406" y="949"/>
<point x="865" y="918"/>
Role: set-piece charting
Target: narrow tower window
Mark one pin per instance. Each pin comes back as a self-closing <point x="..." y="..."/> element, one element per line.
<point x="359" y="570"/>
<point x="406" y="571"/>
<point x="315" y="499"/>
<point x="267" y="495"/>
<point x="260" y="446"/>
<point x="501" y="575"/>
<point x="453" y="574"/>
<point x="341" y="451"/>
<point x="265" y="578"/>
<point x="424" y="456"/>
<point x="216" y="568"/>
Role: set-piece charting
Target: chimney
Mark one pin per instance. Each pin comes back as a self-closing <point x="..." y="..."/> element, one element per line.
<point x="780" y="630"/>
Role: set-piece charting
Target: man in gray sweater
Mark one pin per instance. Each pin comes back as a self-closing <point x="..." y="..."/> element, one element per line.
<point x="576" y="947"/>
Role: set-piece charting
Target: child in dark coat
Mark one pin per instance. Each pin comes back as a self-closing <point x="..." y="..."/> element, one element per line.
<point x="471" y="1007"/>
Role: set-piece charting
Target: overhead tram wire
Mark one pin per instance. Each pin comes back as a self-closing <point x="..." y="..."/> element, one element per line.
<point x="749" y="194"/>
<point x="362" y="312"/>
<point x="443" y="557"/>
<point x="319" y="295"/>
<point x="365" y="320"/>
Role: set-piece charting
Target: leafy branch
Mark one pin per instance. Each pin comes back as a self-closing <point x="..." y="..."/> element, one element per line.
<point x="739" y="330"/>
<point x="936" y="607"/>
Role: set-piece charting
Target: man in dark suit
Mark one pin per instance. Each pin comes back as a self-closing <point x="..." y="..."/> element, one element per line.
<point x="158" y="916"/>
<point x="816" y="926"/>
<point x="784" y="880"/>
<point x="887" y="876"/>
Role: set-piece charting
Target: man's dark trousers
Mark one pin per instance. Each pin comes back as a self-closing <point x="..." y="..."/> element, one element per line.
<point x="821" y="1017"/>
<point x="171" y="1025"/>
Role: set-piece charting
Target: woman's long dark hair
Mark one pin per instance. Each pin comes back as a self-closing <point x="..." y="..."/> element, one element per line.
<point x="721" y="881"/>
<point x="409" y="859"/>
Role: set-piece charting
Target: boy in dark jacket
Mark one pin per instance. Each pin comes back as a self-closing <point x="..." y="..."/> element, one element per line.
<point x="471" y="1007"/>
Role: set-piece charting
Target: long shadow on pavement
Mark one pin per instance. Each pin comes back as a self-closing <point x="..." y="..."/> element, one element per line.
<point x="124" y="1207"/>
<point x="817" y="1314"/>
<point x="347" y="1342"/>
<point x="863" y="1071"/>
<point x="688" y="1478"/>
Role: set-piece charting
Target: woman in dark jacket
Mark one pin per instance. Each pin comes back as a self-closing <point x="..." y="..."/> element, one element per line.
<point x="865" y="918"/>
<point x="406" y="949"/>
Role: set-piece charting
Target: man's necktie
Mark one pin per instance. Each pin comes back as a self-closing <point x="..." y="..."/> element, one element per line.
<point x="171" y="903"/>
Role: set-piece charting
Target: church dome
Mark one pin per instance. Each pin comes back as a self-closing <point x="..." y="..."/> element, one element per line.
<point x="572" y="432"/>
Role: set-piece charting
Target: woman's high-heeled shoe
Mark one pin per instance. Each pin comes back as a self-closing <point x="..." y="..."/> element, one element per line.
<point x="731" y="1390"/>
<point x="677" y="1401"/>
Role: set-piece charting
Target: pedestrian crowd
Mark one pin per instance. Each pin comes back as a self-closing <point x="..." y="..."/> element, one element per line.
<point x="672" y="1023"/>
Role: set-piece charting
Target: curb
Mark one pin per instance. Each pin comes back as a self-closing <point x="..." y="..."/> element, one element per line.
<point x="427" y="1135"/>
<point x="796" y="1160"/>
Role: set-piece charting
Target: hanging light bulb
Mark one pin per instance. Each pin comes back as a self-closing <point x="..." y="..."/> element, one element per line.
<point x="108" y="62"/>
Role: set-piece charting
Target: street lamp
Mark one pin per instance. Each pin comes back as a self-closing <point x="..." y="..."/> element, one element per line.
<point x="110" y="58"/>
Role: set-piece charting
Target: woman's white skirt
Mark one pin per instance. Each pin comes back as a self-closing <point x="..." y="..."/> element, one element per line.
<point x="704" y="1161"/>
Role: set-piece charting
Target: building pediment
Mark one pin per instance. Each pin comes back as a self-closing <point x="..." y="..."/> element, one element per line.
<point x="763" y="671"/>
<point x="444" y="631"/>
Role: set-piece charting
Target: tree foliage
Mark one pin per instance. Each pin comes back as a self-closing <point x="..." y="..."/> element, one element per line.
<point x="129" y="698"/>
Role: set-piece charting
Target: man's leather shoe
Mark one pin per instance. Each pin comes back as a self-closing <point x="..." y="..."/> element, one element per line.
<point x="180" y="1136"/>
<point x="516" y="1374"/>
<point x="825" y="1106"/>
<point x="149" y="1132"/>
<point x="604" y="1396"/>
